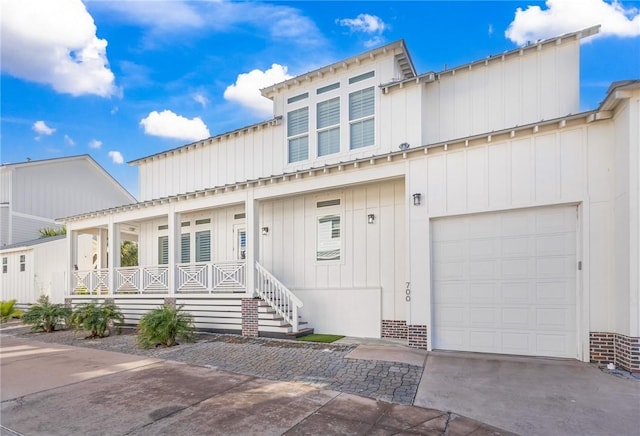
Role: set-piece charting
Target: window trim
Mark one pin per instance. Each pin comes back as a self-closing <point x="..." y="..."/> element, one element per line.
<point x="23" y="262"/>
<point x="326" y="205"/>
<point x="362" y="119"/>
<point x="297" y="135"/>
<point x="5" y="265"/>
<point x="329" y="127"/>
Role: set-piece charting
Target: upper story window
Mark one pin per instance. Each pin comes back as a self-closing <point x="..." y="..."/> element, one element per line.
<point x="328" y="124"/>
<point x="298" y="134"/>
<point x="361" y="118"/>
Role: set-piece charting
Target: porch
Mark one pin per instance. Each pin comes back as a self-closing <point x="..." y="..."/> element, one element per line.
<point x="213" y="293"/>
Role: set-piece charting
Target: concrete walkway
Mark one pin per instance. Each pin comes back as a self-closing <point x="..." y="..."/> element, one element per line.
<point x="53" y="389"/>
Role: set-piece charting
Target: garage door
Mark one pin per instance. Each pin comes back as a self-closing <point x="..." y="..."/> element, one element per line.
<point x="506" y="282"/>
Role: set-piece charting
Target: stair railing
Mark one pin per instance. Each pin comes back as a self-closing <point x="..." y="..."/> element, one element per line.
<point x="278" y="296"/>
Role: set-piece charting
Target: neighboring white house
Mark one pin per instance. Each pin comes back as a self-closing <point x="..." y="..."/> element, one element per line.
<point x="471" y="209"/>
<point x="32" y="195"/>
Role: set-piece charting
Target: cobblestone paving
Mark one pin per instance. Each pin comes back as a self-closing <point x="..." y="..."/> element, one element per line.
<point x="323" y="365"/>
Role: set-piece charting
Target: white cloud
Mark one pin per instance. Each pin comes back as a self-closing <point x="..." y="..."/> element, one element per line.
<point x="167" y="124"/>
<point x="94" y="143"/>
<point x="490" y="30"/>
<point x="116" y="157"/>
<point x="367" y="24"/>
<point x="69" y="140"/>
<point x="200" y="98"/>
<point x="364" y="23"/>
<point x="563" y="16"/>
<point x="41" y="128"/>
<point x="55" y="43"/>
<point x="246" y="90"/>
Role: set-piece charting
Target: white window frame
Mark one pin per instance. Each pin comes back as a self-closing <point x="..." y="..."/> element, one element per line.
<point x="328" y="128"/>
<point x="362" y="119"/>
<point x="297" y="135"/>
<point x="324" y="212"/>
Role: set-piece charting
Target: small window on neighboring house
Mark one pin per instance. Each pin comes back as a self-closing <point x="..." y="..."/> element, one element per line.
<point x="163" y="250"/>
<point x="185" y="248"/>
<point x="329" y="241"/>
<point x="23" y="262"/>
<point x="203" y="246"/>
<point x="5" y="266"/>
<point x="298" y="134"/>
<point x="328" y="125"/>
<point x="361" y="118"/>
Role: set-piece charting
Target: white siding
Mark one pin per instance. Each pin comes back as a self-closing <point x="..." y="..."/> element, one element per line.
<point x="517" y="90"/>
<point x="16" y="284"/>
<point x="4" y="225"/>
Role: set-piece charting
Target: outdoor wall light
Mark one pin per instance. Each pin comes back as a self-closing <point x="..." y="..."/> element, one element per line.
<point x="265" y="231"/>
<point x="371" y="218"/>
<point x="417" y="199"/>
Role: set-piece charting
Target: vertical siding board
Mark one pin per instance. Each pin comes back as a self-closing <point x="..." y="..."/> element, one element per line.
<point x="372" y="252"/>
<point x="572" y="164"/>
<point x="436" y="184"/>
<point x="546" y="160"/>
<point x="512" y="92"/>
<point x="498" y="174"/>
<point x="456" y="181"/>
<point x="347" y="272"/>
<point x="296" y="242"/>
<point x="521" y="171"/>
<point x="476" y="178"/>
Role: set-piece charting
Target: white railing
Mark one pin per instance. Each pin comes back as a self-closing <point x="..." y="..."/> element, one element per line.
<point x="274" y="293"/>
<point x="92" y="282"/>
<point x="190" y="278"/>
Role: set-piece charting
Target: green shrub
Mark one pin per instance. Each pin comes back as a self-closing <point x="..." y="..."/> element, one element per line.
<point x="45" y="315"/>
<point x="97" y="319"/>
<point x="162" y="326"/>
<point x="8" y="311"/>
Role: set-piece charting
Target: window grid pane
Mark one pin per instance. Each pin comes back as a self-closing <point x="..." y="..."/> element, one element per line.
<point x="298" y="122"/>
<point x="329" y="141"/>
<point x="203" y="246"/>
<point x="362" y="133"/>
<point x="329" y="244"/>
<point x="328" y="113"/>
<point x="163" y="250"/>
<point x="185" y="248"/>
<point x="299" y="149"/>
<point x="361" y="104"/>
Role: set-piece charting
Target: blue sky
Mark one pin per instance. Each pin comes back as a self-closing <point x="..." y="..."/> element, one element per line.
<point x="122" y="80"/>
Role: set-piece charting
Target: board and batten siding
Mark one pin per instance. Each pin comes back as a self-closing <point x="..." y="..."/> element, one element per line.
<point x="521" y="89"/>
<point x="15" y="284"/>
<point x="570" y="165"/>
<point x="44" y="190"/>
<point x="372" y="255"/>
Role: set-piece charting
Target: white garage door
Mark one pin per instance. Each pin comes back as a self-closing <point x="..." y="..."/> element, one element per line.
<point x="506" y="282"/>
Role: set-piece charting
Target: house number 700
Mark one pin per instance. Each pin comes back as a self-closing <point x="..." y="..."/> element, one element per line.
<point x="407" y="291"/>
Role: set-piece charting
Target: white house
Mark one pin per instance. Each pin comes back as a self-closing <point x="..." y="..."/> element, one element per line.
<point x="471" y="209"/>
<point x="32" y="195"/>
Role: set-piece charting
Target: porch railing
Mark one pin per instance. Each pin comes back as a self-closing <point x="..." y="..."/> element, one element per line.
<point x="278" y="296"/>
<point x="190" y="278"/>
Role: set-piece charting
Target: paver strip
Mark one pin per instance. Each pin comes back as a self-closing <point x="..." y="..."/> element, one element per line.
<point x="322" y="365"/>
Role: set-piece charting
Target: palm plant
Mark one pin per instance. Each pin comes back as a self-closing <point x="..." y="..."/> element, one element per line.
<point x="164" y="325"/>
<point x="97" y="319"/>
<point x="45" y="315"/>
<point x="8" y="311"/>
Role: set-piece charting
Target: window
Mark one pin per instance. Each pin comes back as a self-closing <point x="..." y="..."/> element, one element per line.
<point x="361" y="118"/>
<point x="328" y="88"/>
<point x="328" y="124"/>
<point x="242" y="244"/>
<point x="163" y="250"/>
<point x="203" y="246"/>
<point x="361" y="77"/>
<point x="185" y="248"/>
<point x="329" y="241"/>
<point x="23" y="262"/>
<point x="4" y="265"/>
<point x="298" y="97"/>
<point x="297" y="131"/>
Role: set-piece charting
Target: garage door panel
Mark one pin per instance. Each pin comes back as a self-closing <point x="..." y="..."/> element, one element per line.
<point x="512" y="286"/>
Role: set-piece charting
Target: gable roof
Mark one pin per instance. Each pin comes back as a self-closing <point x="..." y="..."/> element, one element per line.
<point x="80" y="157"/>
<point x="402" y="57"/>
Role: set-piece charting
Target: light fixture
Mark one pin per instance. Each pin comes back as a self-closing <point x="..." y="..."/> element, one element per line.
<point x="371" y="218"/>
<point x="417" y="199"/>
<point x="265" y="230"/>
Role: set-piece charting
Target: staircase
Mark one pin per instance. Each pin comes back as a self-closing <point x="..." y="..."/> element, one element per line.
<point x="273" y="325"/>
<point x="278" y="308"/>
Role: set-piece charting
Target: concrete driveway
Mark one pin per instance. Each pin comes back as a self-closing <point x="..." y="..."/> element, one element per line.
<point x="53" y="389"/>
<point x="531" y="396"/>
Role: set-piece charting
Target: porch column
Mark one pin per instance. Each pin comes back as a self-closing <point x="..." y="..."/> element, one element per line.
<point x="252" y="208"/>
<point x="101" y="261"/>
<point x="174" y="231"/>
<point x="113" y="230"/>
<point x="72" y="249"/>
